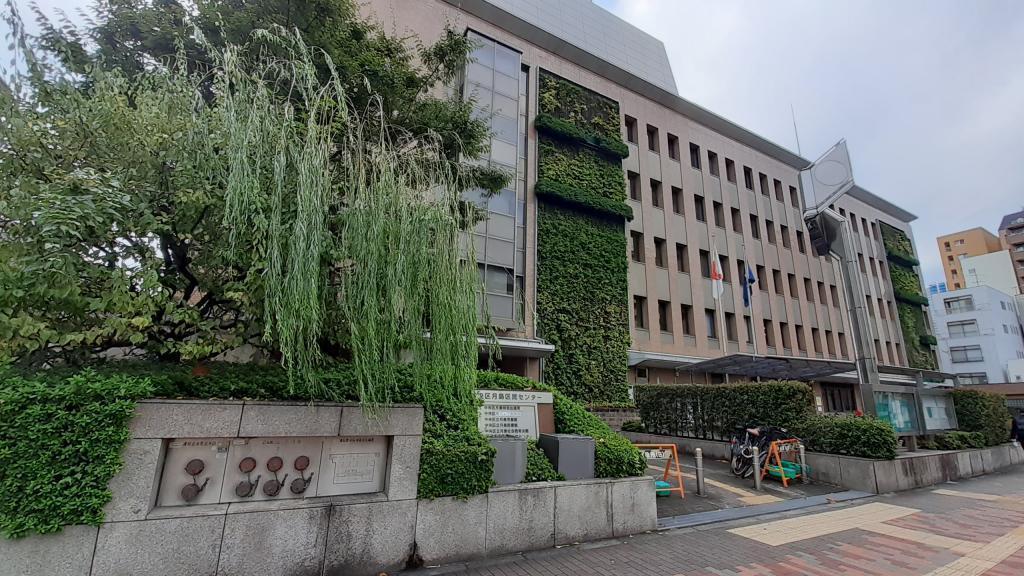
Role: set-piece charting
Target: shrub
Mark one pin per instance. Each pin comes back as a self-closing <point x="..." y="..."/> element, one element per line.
<point x="614" y="455"/>
<point x="983" y="412"/>
<point x="538" y="467"/>
<point x="960" y="440"/>
<point x="60" y="444"/>
<point x="633" y="426"/>
<point x="704" y="411"/>
<point x="560" y="128"/>
<point x="862" y="436"/>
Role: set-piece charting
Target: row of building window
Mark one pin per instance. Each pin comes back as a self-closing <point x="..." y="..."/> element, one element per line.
<point x="713" y="165"/>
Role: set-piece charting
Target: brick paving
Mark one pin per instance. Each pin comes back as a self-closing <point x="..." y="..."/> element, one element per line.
<point x="949" y="533"/>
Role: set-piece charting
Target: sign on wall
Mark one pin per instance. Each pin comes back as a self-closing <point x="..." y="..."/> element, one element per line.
<point x="510" y="413"/>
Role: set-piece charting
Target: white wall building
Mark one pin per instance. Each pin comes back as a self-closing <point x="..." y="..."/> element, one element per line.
<point x="994" y="269"/>
<point x="979" y="334"/>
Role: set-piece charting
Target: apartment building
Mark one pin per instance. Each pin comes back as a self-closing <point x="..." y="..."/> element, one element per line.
<point x="994" y="269"/>
<point x="979" y="334"/>
<point x="1011" y="235"/>
<point x="696" y="184"/>
<point x="953" y="247"/>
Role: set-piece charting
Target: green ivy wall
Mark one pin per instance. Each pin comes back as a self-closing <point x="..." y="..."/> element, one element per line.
<point x="906" y="286"/>
<point x="582" y="271"/>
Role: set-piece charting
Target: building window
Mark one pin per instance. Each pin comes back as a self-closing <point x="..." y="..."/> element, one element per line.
<point x="972" y="378"/>
<point x="640" y="312"/>
<point x="677" y="200"/>
<point x="763" y="181"/>
<point x="791" y="280"/>
<point x="777" y="282"/>
<point x="947" y="247"/>
<point x="687" y="319"/>
<point x="737" y="220"/>
<point x="769" y="229"/>
<point x="800" y="242"/>
<point x="652" y="139"/>
<point x="713" y="163"/>
<point x="695" y="156"/>
<point x="874" y="232"/>
<point x="829" y="344"/>
<point x="755" y="227"/>
<point x="665" y="316"/>
<point x="637" y="240"/>
<point x="698" y="208"/>
<point x="762" y="281"/>
<point x="656" y="200"/>
<point x="778" y="190"/>
<point x="881" y="308"/>
<point x="705" y="264"/>
<point x="960" y="354"/>
<point x="634" y="185"/>
<point x="822" y="295"/>
<point x="710" y="324"/>
<point x="808" y="290"/>
<point x="960" y="304"/>
<point x="787" y="342"/>
<point x="842" y="346"/>
<point x="784" y="232"/>
<point x="801" y="339"/>
<point x="837" y="398"/>
<point x="853" y="222"/>
<point x="835" y="295"/>
<point x="730" y="170"/>
<point x="723" y="265"/>
<point x="794" y="198"/>
<point x="631" y="130"/>
<point x="673" y="147"/>
<point x="963" y="328"/>
<point x="769" y="333"/>
<point x="660" y="256"/>
<point x="730" y="327"/>
<point x="682" y="258"/>
<point x="748" y="177"/>
<point x="864" y="226"/>
<point x="750" y="328"/>
<point x="719" y="214"/>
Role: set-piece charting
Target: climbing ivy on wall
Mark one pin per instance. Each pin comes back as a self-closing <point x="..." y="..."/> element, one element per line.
<point x="907" y="289"/>
<point x="582" y="271"/>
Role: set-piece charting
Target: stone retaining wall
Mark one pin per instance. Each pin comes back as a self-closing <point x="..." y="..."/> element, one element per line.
<point x="908" y="471"/>
<point x="349" y="535"/>
<point x="614" y="417"/>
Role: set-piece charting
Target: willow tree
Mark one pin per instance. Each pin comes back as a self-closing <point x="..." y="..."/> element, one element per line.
<point x="178" y="214"/>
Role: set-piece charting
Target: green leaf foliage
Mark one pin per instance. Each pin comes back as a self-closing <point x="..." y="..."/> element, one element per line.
<point x="983" y="412"/>
<point x="906" y="284"/>
<point x="861" y="436"/>
<point x="928" y="340"/>
<point x="560" y="128"/>
<point x="614" y="455"/>
<point x="913" y="326"/>
<point x="575" y="198"/>
<point x="704" y="411"/>
<point x="582" y="272"/>
<point x="60" y="444"/>
<point x="959" y="440"/>
<point x="633" y="426"/>
<point x="538" y="467"/>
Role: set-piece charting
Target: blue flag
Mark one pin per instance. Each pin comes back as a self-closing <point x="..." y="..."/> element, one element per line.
<point x="749" y="281"/>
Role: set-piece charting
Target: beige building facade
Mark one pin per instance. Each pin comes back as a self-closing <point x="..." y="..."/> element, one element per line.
<point x="963" y="244"/>
<point x="697" y="184"/>
<point x="1011" y="235"/>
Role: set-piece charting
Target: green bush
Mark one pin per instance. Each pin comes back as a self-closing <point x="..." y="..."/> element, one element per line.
<point x="633" y="426"/>
<point x="614" y="455"/>
<point x="60" y="444"/>
<point x="560" y="128"/>
<point x="703" y="411"/>
<point x="580" y="168"/>
<point x="538" y="467"/>
<point x="983" y="412"/>
<point x="571" y="197"/>
<point x="579" y="106"/>
<point x="959" y="440"/>
<point x="861" y="436"/>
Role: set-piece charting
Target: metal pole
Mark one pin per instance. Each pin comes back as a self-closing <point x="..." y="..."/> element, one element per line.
<point x="699" y="457"/>
<point x="757" y="468"/>
<point x="803" y="465"/>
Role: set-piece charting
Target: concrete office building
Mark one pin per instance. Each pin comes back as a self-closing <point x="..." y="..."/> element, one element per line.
<point x="953" y="247"/>
<point x="697" y="183"/>
<point x="1011" y="234"/>
<point x="994" y="269"/>
<point x="979" y="334"/>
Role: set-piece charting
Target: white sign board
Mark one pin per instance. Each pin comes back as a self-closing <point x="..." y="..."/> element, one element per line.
<point x="510" y="413"/>
<point x="657" y="453"/>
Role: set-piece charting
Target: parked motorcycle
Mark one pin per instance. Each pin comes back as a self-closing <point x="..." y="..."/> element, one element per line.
<point x="744" y="439"/>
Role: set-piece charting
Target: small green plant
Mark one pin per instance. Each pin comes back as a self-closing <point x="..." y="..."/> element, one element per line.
<point x="633" y="426"/>
<point x="959" y="440"/>
<point x="538" y="467"/>
<point x="984" y="413"/>
<point x="862" y="436"/>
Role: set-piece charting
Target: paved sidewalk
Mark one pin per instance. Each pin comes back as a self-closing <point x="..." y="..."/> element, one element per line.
<point x="955" y="529"/>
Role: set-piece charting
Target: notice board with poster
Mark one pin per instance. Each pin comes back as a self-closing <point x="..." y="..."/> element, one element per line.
<point x="514" y="413"/>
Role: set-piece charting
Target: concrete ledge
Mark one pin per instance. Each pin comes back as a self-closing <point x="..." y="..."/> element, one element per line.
<point x="582" y="512"/>
<point x="403" y="476"/>
<point x="66" y="553"/>
<point x="520" y="520"/>
<point x="186" y="419"/>
<point x="133" y="488"/>
<point x="634" y="506"/>
<point x="449" y="529"/>
<point x="398" y="421"/>
<point x="282" y="542"/>
<point x="157" y="547"/>
<point x="284" y="420"/>
<point x="370" y="538"/>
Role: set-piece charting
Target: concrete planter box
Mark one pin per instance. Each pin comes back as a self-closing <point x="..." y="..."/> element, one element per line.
<point x="908" y="471"/>
<point x="351" y="535"/>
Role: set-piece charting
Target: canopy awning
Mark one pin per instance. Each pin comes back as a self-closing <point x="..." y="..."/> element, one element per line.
<point x="772" y="367"/>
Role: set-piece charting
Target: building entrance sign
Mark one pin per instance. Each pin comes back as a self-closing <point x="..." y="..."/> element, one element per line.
<point x="510" y="413"/>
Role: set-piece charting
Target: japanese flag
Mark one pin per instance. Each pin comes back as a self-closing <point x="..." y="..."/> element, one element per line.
<point x="716" y="276"/>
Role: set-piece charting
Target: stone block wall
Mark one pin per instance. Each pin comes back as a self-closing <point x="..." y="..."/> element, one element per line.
<point x="614" y="417"/>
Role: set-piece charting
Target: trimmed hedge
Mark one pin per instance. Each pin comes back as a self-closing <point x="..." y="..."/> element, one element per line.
<point x="614" y="455"/>
<point x="538" y="467"/>
<point x="960" y="440"/>
<point x="713" y="412"/>
<point x="633" y="426"/>
<point x="60" y="444"/>
<point x="862" y="436"/>
<point x="570" y="197"/>
<point x="928" y="340"/>
<point x="579" y="106"/>
<point x="983" y="412"/>
<point x="580" y="168"/>
<point x="909" y="298"/>
<point x="906" y="284"/>
<point x="560" y="128"/>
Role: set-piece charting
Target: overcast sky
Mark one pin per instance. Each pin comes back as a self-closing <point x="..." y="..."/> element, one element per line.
<point x="928" y="93"/>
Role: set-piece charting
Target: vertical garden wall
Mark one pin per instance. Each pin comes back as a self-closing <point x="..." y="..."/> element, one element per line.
<point x="582" y="271"/>
<point x="906" y="286"/>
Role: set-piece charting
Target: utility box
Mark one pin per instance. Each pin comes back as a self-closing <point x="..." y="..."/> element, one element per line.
<point x="572" y="455"/>
<point x="509" y="460"/>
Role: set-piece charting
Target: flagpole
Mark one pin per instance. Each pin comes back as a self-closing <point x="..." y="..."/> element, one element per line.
<point x="722" y="336"/>
<point x="750" y="291"/>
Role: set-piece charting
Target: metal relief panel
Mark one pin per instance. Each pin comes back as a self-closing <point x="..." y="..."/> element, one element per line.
<point x="193" y="471"/>
<point x="271" y="468"/>
<point x="353" y="465"/>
